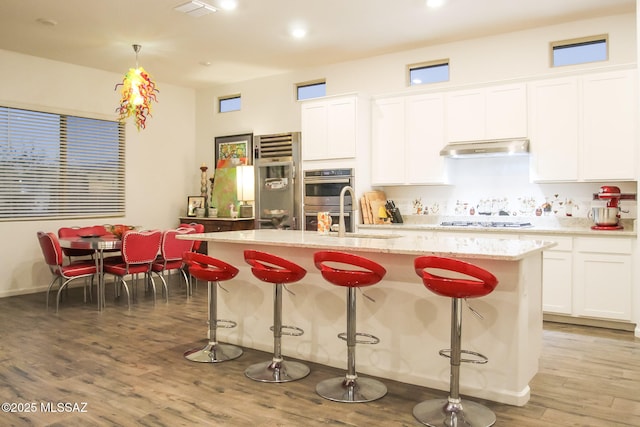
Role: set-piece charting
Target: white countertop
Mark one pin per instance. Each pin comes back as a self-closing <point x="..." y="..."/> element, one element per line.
<point x="554" y="226"/>
<point x="463" y="247"/>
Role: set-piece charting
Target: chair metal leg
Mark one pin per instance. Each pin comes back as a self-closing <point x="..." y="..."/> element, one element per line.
<point x="277" y="370"/>
<point x="53" y="281"/>
<point x="214" y="351"/>
<point x="452" y="411"/>
<point x="350" y="388"/>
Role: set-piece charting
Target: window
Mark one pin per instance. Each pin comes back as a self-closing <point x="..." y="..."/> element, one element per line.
<point x="429" y="72"/>
<point x="579" y="51"/>
<point x="311" y="90"/>
<point x="60" y="166"/>
<point x="230" y="103"/>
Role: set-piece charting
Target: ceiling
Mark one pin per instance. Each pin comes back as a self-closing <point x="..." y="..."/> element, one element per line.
<point x="253" y="40"/>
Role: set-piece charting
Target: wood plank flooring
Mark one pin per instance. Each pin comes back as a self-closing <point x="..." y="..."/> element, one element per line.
<point x="127" y="366"/>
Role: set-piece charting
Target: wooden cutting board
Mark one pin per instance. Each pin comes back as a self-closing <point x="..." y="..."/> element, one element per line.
<point x="375" y="199"/>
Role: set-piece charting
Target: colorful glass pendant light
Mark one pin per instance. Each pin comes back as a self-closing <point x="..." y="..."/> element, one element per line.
<point x="138" y="91"/>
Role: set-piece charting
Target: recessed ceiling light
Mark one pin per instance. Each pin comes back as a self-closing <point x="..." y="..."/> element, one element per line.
<point x="298" y="33"/>
<point x="205" y="63"/>
<point x="228" y="4"/>
<point x="435" y="3"/>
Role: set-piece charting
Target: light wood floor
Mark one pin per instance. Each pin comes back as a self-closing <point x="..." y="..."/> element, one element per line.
<point x="128" y="368"/>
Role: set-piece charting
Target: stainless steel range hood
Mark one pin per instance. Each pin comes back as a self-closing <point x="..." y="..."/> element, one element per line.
<point x="494" y="147"/>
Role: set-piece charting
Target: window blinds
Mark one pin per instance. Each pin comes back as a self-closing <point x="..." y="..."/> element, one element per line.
<point x="60" y="166"/>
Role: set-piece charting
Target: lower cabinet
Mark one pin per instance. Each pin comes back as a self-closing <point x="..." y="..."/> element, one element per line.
<point x="603" y="275"/>
<point x="587" y="277"/>
<point x="215" y="225"/>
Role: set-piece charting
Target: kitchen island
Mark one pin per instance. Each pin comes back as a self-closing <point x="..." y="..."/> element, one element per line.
<point x="412" y="323"/>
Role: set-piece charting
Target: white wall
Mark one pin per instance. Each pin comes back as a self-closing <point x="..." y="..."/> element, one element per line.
<point x="160" y="166"/>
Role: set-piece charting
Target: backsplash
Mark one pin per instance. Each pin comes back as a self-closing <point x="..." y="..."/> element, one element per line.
<point x="501" y="187"/>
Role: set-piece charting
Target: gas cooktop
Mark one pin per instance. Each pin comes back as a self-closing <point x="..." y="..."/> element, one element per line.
<point x="488" y="224"/>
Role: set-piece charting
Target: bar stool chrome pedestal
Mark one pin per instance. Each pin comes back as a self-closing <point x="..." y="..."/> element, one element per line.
<point x="273" y="269"/>
<point x="473" y="282"/>
<point x="213" y="271"/>
<point x="350" y="388"/>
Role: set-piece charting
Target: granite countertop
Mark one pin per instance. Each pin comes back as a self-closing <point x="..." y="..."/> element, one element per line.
<point x="542" y="225"/>
<point x="464" y="247"/>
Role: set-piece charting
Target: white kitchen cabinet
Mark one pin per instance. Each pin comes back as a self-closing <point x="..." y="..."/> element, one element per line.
<point x="557" y="274"/>
<point x="387" y="135"/>
<point x="603" y="277"/>
<point x="609" y="126"/>
<point x="331" y="127"/>
<point x="407" y="135"/>
<point x="494" y="112"/>
<point x="554" y="130"/>
<point x="582" y="125"/>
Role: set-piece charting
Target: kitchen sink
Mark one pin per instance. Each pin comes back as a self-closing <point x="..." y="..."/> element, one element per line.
<point x="364" y="236"/>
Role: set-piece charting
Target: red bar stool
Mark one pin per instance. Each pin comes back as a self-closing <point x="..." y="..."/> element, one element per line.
<point x="214" y="271"/>
<point x="471" y="282"/>
<point x="350" y="388"/>
<point x="273" y="269"/>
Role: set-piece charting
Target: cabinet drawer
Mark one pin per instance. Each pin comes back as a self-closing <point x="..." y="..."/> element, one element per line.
<point x="217" y="226"/>
<point x="563" y="243"/>
<point x="604" y="245"/>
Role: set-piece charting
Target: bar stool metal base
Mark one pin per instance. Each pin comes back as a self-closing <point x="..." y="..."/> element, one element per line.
<point x="277" y="372"/>
<point x="358" y="390"/>
<point x="441" y="413"/>
<point x="213" y="353"/>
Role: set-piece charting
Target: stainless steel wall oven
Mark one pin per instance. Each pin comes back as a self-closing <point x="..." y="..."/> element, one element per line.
<point x="322" y="194"/>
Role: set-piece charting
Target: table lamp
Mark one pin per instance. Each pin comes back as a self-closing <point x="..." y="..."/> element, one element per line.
<point x="245" y="190"/>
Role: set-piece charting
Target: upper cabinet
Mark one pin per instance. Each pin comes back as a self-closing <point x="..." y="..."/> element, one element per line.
<point x="584" y="127"/>
<point x="554" y="129"/>
<point x="609" y="131"/>
<point x="494" y="112"/>
<point x="331" y="127"/>
<point x="407" y="135"/>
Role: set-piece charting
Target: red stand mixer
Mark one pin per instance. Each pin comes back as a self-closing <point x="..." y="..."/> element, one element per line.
<point x="607" y="216"/>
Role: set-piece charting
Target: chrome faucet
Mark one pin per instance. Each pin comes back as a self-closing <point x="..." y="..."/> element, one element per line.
<point x="341" y="226"/>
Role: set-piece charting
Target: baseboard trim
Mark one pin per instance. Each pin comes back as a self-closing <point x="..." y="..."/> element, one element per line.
<point x="585" y="321"/>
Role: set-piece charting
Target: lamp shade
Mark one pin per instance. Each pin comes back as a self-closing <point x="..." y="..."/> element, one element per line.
<point x="245" y="183"/>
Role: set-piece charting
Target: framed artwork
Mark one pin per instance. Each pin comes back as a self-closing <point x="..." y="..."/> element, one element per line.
<point x="234" y="150"/>
<point x="193" y="203"/>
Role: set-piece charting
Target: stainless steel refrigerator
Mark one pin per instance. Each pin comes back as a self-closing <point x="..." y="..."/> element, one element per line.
<point x="277" y="181"/>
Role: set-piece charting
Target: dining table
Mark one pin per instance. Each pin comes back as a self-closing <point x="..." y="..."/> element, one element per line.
<point x="99" y="244"/>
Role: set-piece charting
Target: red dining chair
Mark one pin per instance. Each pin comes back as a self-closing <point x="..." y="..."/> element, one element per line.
<point x="139" y="251"/>
<point x="172" y="251"/>
<point x="65" y="232"/>
<point x="63" y="274"/>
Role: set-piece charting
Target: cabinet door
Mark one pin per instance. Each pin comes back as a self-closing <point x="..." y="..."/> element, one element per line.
<point x="314" y="130"/>
<point x="603" y="285"/>
<point x="388" y="148"/>
<point x="466" y="115"/>
<point x="609" y="129"/>
<point x="424" y="139"/>
<point x="554" y="130"/>
<point x="557" y="282"/>
<point x="341" y="128"/>
<point x="506" y="111"/>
